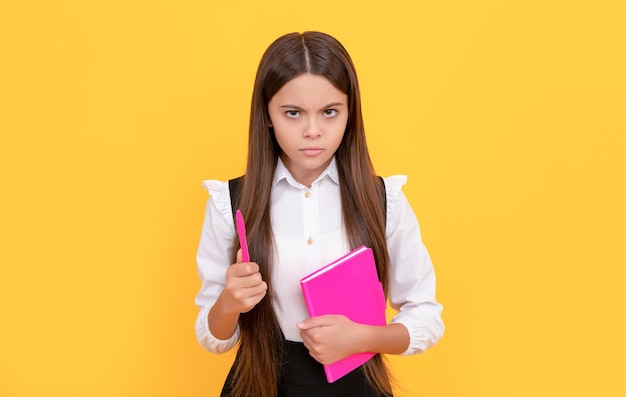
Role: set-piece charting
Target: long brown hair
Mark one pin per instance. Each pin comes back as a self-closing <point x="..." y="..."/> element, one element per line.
<point x="258" y="359"/>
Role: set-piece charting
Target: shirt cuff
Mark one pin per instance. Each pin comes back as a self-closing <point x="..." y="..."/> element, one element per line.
<point x="208" y="340"/>
<point x="421" y="337"/>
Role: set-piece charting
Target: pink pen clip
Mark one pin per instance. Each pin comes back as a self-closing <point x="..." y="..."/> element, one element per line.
<point x="241" y="231"/>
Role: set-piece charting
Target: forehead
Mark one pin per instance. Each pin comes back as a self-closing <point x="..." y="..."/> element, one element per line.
<point x="308" y="90"/>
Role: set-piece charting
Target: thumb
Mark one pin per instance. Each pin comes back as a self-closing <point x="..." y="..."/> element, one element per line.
<point x="239" y="255"/>
<point x="311" y="322"/>
<point x="303" y="325"/>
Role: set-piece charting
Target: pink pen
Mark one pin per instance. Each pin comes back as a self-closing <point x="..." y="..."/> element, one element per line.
<point x="241" y="231"/>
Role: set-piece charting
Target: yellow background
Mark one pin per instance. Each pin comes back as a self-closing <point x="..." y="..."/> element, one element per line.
<point x="508" y="116"/>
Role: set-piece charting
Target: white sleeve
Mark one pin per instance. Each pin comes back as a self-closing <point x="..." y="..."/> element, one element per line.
<point x="213" y="259"/>
<point x="412" y="283"/>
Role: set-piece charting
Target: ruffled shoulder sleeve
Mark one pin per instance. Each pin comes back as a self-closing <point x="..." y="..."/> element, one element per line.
<point x="393" y="187"/>
<point x="220" y="196"/>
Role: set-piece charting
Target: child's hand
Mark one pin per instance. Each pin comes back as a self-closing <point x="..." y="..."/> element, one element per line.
<point x="244" y="287"/>
<point x="330" y="338"/>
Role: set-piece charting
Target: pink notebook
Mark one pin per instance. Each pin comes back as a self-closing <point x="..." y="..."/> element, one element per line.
<point x="347" y="286"/>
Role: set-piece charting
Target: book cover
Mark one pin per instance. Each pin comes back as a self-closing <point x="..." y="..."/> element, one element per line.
<point x="347" y="286"/>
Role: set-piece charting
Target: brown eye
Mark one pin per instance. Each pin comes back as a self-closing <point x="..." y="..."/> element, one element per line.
<point x="330" y="112"/>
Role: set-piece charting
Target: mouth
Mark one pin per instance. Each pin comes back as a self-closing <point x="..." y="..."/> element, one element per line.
<point x="312" y="151"/>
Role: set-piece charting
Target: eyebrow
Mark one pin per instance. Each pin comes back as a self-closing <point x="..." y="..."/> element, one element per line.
<point x="330" y="105"/>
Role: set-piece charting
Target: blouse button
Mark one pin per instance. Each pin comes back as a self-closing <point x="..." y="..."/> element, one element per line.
<point x="307" y="194"/>
<point x="309" y="241"/>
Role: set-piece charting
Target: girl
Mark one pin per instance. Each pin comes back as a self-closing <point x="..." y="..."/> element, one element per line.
<point x="309" y="195"/>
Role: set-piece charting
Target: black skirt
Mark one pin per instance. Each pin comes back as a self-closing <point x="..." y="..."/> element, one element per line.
<point x="302" y="376"/>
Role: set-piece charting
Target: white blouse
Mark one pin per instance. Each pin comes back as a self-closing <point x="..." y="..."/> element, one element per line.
<point x="308" y="233"/>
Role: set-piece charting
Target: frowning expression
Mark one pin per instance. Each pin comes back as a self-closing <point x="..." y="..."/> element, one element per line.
<point x="309" y="117"/>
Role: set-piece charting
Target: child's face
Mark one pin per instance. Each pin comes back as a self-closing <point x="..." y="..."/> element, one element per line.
<point x="309" y="116"/>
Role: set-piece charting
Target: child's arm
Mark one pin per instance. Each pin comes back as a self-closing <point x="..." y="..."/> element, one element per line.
<point x="412" y="290"/>
<point x="213" y="259"/>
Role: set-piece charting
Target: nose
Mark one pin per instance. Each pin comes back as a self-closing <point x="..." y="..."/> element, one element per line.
<point x="312" y="129"/>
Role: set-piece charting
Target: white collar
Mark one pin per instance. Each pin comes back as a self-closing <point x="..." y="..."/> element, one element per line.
<point x="283" y="173"/>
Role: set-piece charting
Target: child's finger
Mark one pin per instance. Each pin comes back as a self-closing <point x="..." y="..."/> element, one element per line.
<point x="243" y="269"/>
<point x="314" y="322"/>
